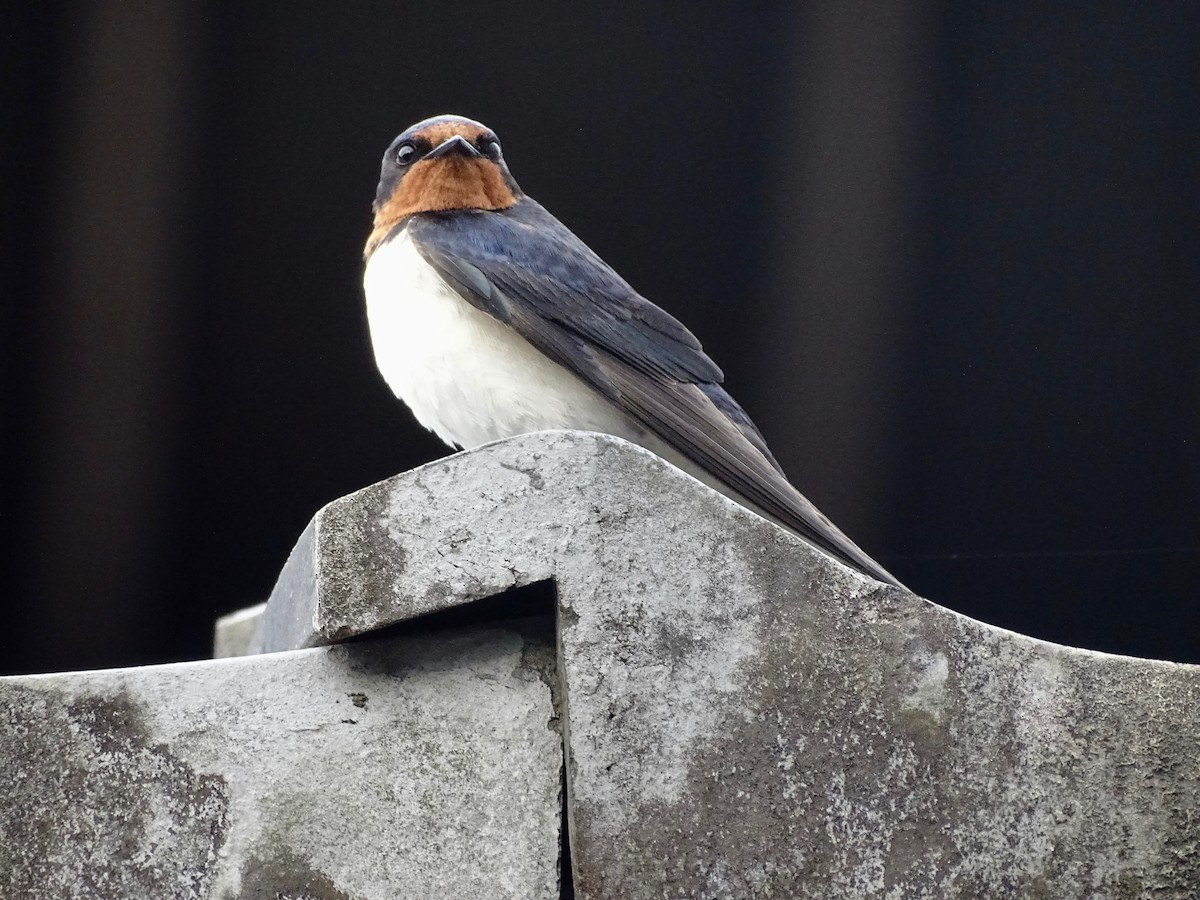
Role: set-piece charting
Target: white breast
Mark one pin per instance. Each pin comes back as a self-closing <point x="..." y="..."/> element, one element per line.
<point x="467" y="377"/>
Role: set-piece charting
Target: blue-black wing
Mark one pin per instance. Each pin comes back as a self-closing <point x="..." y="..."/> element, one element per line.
<point x="528" y="270"/>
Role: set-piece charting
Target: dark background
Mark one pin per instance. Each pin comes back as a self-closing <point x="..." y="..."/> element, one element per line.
<point x="945" y="253"/>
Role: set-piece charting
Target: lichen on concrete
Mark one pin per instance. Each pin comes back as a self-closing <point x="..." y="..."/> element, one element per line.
<point x="422" y="767"/>
<point x="94" y="806"/>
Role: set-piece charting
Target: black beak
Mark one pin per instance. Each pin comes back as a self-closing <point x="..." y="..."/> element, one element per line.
<point x="453" y="145"/>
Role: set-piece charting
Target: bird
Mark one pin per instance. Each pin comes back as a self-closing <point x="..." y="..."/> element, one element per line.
<point x="490" y="318"/>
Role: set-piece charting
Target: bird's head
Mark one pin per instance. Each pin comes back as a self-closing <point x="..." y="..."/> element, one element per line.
<point x="443" y="163"/>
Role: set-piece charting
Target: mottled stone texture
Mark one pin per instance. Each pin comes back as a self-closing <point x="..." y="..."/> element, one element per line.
<point x="744" y="717"/>
<point x="748" y="718"/>
<point x="408" y="767"/>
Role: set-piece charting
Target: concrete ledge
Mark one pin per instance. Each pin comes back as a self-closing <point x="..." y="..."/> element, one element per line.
<point x="239" y="633"/>
<point x="748" y="717"/>
<point x="409" y="767"/>
<point x="743" y="717"/>
<point x="474" y="524"/>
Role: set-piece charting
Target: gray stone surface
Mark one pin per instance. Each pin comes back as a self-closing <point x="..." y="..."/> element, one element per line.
<point x="749" y="718"/>
<point x="419" y="767"/>
<point x="474" y="524"/>
<point x="791" y="738"/>
<point x="239" y="633"/>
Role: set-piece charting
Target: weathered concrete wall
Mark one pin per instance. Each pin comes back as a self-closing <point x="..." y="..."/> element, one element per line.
<point x="409" y="767"/>
<point x="744" y="717"/>
<point x="747" y="717"/>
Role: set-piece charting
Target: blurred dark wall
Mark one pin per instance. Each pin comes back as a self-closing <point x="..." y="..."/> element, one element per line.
<point x="946" y="255"/>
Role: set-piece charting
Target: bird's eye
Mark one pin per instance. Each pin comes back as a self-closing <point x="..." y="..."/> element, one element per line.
<point x="406" y="153"/>
<point x="492" y="147"/>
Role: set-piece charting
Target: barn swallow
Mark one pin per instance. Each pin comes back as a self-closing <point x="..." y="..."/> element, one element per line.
<point x="490" y="318"/>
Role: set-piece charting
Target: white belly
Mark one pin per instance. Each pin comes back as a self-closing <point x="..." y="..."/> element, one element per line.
<point x="466" y="377"/>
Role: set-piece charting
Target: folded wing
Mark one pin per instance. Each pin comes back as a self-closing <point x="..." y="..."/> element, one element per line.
<point x="579" y="312"/>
